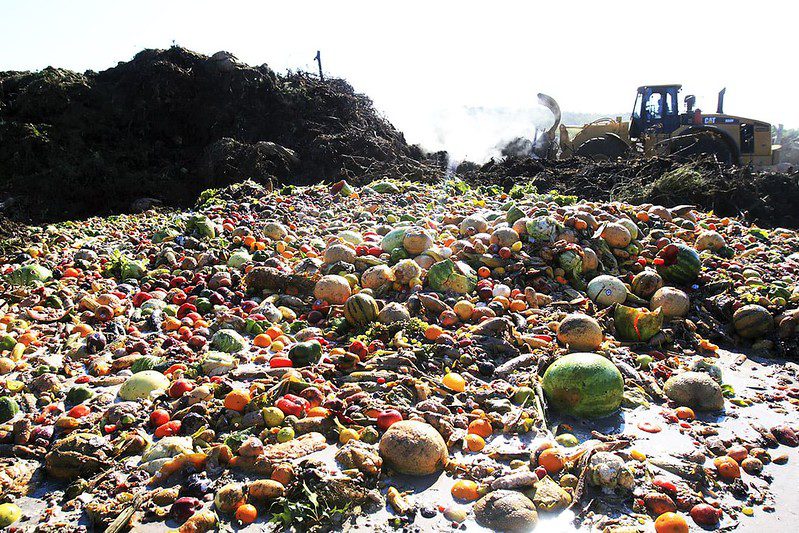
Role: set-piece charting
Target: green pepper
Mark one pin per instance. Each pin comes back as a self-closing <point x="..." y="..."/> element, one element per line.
<point x="305" y="353"/>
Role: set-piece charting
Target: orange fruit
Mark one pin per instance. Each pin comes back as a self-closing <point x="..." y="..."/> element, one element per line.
<point x="465" y="490"/>
<point x="481" y="427"/>
<point x="727" y="467"/>
<point x="474" y="442"/>
<point x="552" y="460"/>
<point x="433" y="332"/>
<point x="454" y="381"/>
<point x="246" y="514"/>
<point x="237" y="400"/>
<point x="671" y="523"/>
<point x="262" y="341"/>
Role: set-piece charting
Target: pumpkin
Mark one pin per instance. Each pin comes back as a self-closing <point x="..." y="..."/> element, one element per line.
<point x="338" y="252"/>
<point x="473" y="224"/>
<point x="305" y="353"/>
<point x="393" y="312"/>
<point x="448" y="275"/>
<point x="673" y="302"/>
<point x="416" y="240"/>
<point x="413" y="448"/>
<point x="752" y="321"/>
<point x="680" y="263"/>
<point x="580" y="332"/>
<point x="360" y="309"/>
<point x="504" y="237"/>
<point x="607" y="290"/>
<point x="333" y="289"/>
<point x="646" y="283"/>
<point x="710" y="240"/>
<point x="584" y="385"/>
<point x="616" y="235"/>
<point x="634" y="324"/>
<point x="393" y="239"/>
<point x="377" y="276"/>
<point x="8" y="408"/>
<point x="406" y="271"/>
<point x="142" y="384"/>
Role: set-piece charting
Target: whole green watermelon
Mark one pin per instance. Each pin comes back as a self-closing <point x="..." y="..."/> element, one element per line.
<point x="585" y="385"/>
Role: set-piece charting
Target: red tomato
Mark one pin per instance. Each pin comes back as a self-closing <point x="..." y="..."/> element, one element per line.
<point x="167" y="430"/>
<point x="180" y="387"/>
<point x="388" y="417"/>
<point x="159" y="417"/>
<point x="79" y="411"/>
<point x="280" y="362"/>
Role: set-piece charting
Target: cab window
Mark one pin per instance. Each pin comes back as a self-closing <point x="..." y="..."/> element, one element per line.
<point x="654" y="107"/>
<point x="671" y="103"/>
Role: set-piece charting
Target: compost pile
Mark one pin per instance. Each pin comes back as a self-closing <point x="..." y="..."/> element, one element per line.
<point x="302" y="356"/>
<point x="764" y="197"/>
<point x="170" y="123"/>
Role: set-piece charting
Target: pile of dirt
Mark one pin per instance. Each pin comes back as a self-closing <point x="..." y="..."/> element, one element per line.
<point x="171" y="123"/>
<point x="764" y="197"/>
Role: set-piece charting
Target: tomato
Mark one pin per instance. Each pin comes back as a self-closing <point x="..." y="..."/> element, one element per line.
<point x="79" y="411"/>
<point x="388" y="417"/>
<point x="159" y="417"/>
<point x="167" y="430"/>
<point x="292" y="405"/>
<point x="280" y="361"/>
<point x="180" y="387"/>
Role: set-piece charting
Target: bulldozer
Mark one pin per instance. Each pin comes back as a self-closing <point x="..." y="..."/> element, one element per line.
<point x="657" y="127"/>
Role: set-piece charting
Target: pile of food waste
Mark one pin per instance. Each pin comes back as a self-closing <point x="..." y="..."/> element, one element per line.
<point x="399" y="355"/>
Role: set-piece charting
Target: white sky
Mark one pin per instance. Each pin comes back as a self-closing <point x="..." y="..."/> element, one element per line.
<point x="423" y="62"/>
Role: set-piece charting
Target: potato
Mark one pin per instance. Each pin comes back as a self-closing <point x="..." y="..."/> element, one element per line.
<point x="266" y="489"/>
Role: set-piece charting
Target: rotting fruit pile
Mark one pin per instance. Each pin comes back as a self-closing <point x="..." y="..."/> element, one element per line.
<point x="301" y="356"/>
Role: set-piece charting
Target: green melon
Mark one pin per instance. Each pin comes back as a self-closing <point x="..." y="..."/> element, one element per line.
<point x="634" y="324"/>
<point x="752" y="321"/>
<point x="8" y="408"/>
<point x="681" y="264"/>
<point x="585" y="385"/>
<point x="360" y="309"/>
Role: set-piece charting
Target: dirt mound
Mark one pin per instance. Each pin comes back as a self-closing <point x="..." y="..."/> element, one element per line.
<point x="171" y="123"/>
<point x="765" y="198"/>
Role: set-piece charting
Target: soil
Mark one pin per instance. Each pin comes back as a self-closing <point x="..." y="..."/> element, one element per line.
<point x="171" y="123"/>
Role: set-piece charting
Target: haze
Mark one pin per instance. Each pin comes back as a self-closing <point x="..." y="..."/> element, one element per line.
<point x="460" y="75"/>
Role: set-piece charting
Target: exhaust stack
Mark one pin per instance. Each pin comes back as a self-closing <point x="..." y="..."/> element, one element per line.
<point x="720" y="107"/>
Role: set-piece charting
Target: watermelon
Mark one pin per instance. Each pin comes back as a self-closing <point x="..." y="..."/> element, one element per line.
<point x="305" y="353"/>
<point x="634" y="324"/>
<point x="585" y="385"/>
<point x="752" y="321"/>
<point x="360" y="309"/>
<point x="680" y="264"/>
